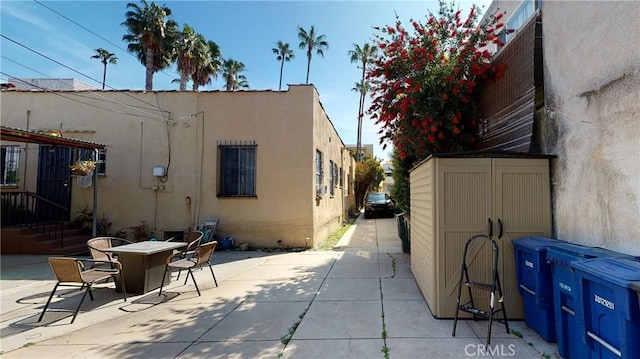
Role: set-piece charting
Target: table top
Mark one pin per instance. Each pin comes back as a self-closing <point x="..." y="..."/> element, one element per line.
<point x="147" y="247"/>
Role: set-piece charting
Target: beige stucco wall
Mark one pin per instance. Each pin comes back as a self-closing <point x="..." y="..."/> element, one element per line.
<point x="592" y="93"/>
<point x="287" y="127"/>
<point x="329" y="210"/>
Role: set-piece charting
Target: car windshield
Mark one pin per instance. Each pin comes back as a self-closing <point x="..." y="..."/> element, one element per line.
<point x="376" y="197"/>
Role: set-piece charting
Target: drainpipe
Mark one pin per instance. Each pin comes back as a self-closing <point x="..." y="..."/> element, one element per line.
<point x="26" y="152"/>
<point x="94" y="230"/>
<point x="344" y="217"/>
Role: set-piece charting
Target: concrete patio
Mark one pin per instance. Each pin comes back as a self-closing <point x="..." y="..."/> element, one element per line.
<point x="358" y="301"/>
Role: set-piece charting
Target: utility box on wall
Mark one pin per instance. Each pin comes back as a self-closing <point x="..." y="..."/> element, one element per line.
<point x="455" y="196"/>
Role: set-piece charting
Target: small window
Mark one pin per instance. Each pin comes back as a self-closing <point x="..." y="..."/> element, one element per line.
<point x="9" y="167"/>
<point x="331" y="178"/>
<point x="319" y="170"/>
<point x="518" y="19"/>
<point x="341" y="177"/>
<point x="237" y="170"/>
<point x="89" y="155"/>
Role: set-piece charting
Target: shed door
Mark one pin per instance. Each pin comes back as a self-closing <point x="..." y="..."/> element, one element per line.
<point x="54" y="179"/>
<point x="522" y="205"/>
<point x="464" y="197"/>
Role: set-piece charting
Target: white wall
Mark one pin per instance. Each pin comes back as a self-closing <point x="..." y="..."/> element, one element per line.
<point x="592" y="95"/>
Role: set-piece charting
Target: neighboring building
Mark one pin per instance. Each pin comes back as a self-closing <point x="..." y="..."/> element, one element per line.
<point x="388" y="181"/>
<point x="49" y="84"/>
<point x="269" y="164"/>
<point x="366" y="149"/>
<point x="571" y="90"/>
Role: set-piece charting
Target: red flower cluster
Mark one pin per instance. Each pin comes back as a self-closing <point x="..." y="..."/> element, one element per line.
<point x="423" y="82"/>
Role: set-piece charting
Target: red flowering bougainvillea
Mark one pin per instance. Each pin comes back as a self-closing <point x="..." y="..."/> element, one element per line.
<point x="424" y="80"/>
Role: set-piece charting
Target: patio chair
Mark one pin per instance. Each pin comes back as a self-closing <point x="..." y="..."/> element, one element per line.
<point x="99" y="249"/>
<point x="193" y="238"/>
<point x="201" y="258"/>
<point x="70" y="272"/>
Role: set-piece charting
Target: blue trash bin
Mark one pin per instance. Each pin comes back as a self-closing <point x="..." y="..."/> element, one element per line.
<point x="566" y="298"/>
<point x="610" y="306"/>
<point x="535" y="285"/>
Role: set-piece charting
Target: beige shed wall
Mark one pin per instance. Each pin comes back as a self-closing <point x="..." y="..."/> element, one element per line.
<point x="592" y="87"/>
<point x="423" y="246"/>
<point x="185" y="141"/>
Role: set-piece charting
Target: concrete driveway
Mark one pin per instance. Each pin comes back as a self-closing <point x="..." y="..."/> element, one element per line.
<point x="357" y="301"/>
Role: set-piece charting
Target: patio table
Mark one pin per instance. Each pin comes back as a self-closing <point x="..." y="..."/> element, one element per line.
<point x="143" y="264"/>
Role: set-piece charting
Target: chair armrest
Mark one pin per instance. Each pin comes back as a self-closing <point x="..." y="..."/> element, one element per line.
<point x="171" y="257"/>
<point x="115" y="263"/>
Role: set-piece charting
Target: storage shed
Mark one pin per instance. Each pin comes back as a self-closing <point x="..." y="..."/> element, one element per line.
<point x="454" y="196"/>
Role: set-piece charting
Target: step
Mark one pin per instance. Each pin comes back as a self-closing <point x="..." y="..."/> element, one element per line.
<point x="484" y="286"/>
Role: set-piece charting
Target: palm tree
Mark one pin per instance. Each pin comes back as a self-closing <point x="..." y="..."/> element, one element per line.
<point x="362" y="87"/>
<point x="151" y="36"/>
<point x="363" y="55"/>
<point x="240" y="83"/>
<point x="232" y="78"/>
<point x="187" y="45"/>
<point x="284" y="54"/>
<point x="106" y="58"/>
<point x="207" y="64"/>
<point x="309" y="41"/>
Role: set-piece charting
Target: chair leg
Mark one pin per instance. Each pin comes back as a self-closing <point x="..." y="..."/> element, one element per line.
<point x="82" y="300"/>
<point x="214" y="276"/>
<point x="164" y="276"/>
<point x="48" y="302"/>
<point x="194" y="281"/>
<point x="124" y="290"/>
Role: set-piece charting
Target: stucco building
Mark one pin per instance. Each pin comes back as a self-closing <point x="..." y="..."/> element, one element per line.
<point x="584" y="86"/>
<point x="269" y="164"/>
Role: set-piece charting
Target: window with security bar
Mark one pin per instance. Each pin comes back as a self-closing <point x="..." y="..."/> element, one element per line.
<point x="319" y="172"/>
<point x="89" y="155"/>
<point x="237" y="169"/>
<point x="9" y="165"/>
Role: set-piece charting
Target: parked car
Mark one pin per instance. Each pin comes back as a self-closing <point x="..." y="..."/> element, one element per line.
<point x="378" y="203"/>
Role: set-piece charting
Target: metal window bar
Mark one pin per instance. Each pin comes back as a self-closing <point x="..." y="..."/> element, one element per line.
<point x="238" y="168"/>
<point x="10" y="159"/>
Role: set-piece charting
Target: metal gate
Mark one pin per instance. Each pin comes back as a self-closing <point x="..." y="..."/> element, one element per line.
<point x="54" y="180"/>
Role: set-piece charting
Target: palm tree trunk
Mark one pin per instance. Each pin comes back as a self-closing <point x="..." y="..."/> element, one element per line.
<point x="183" y="82"/>
<point x="281" y="67"/>
<point x="359" y="138"/>
<point x="104" y="75"/>
<point x="148" y="81"/>
<point x="361" y="111"/>
<point x="229" y="83"/>
<point x="308" y="66"/>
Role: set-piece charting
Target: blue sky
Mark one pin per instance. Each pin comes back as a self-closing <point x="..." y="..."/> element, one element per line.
<point x="245" y="31"/>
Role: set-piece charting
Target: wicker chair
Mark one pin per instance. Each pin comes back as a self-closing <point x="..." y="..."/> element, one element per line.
<point x="201" y="257"/>
<point x="70" y="272"/>
<point x="99" y="249"/>
<point x="193" y="239"/>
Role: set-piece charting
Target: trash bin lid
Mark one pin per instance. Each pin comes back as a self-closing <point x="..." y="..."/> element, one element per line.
<point x="636" y="286"/>
<point x="536" y="243"/>
<point x="563" y="252"/>
<point x="620" y="271"/>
